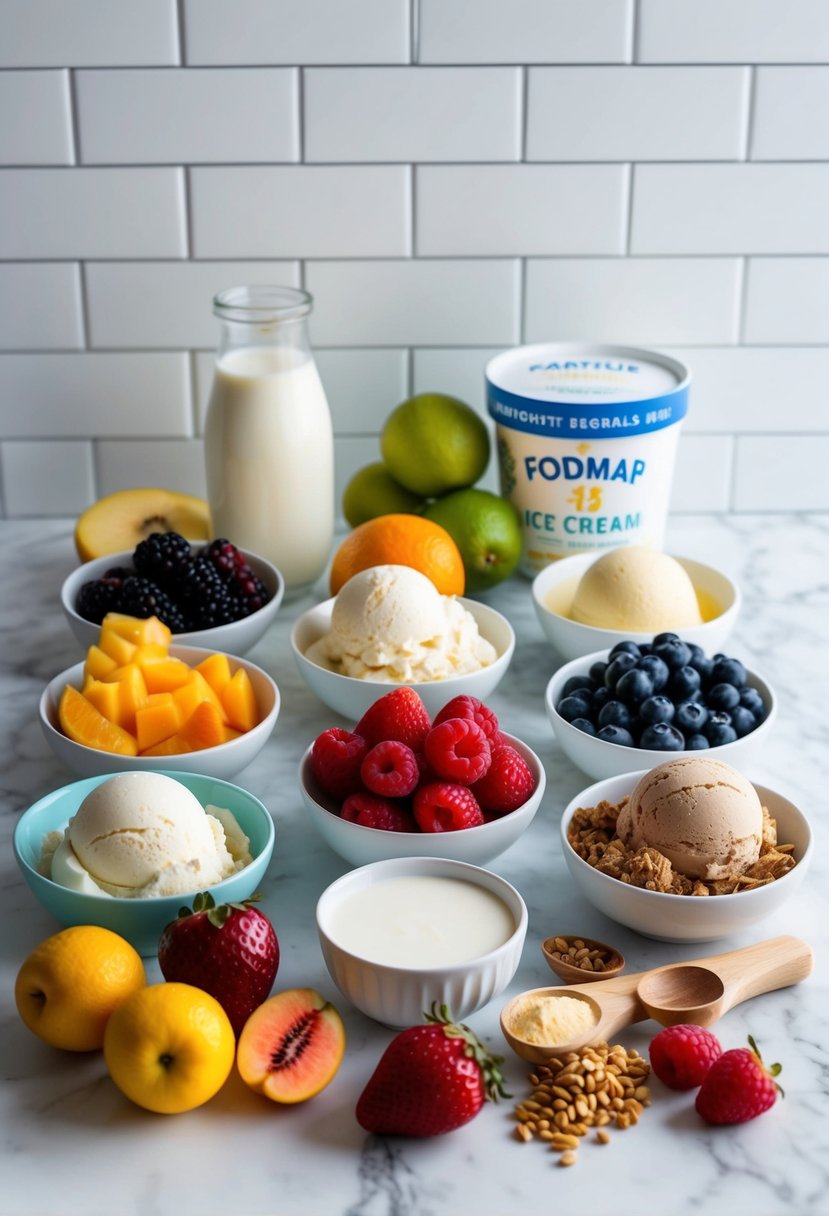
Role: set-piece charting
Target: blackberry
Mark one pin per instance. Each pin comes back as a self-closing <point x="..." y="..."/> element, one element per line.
<point x="224" y="556"/>
<point x="247" y="588"/>
<point x="205" y="598"/>
<point x="97" y="598"/>
<point x="161" y="557"/>
<point x="142" y="598"/>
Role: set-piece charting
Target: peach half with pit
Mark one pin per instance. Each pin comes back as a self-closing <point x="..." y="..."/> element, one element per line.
<point x="291" y="1046"/>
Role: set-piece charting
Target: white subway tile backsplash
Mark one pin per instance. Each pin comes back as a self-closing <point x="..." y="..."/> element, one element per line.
<point x="167" y="304"/>
<point x="787" y="102"/>
<point x="170" y="116"/>
<point x="47" y="477"/>
<point x="422" y="302"/>
<point x="748" y="208"/>
<point x="635" y="300"/>
<point x="284" y="31"/>
<point x="637" y="113"/>
<point x="400" y="114"/>
<point x="520" y="209"/>
<point x="733" y="31"/>
<point x="303" y="211"/>
<point x="458" y="372"/>
<point x="174" y="464"/>
<point x="702" y="473"/>
<point x="85" y="33"/>
<point x="787" y="300"/>
<point x="40" y="306"/>
<point x="525" y="31"/>
<point x="35" y="118"/>
<point x="77" y="213"/>
<point x="81" y="396"/>
<point x="781" y="473"/>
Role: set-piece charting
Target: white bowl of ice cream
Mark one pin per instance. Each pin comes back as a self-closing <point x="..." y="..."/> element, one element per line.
<point x="222" y="761"/>
<point x="599" y="758"/>
<point x="400" y="934"/>
<point x="701" y="824"/>
<point x="594" y="600"/>
<point x="388" y="626"/>
<point x="156" y="838"/>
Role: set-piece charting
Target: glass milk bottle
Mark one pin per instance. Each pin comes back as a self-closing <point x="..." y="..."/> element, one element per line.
<point x="268" y="442"/>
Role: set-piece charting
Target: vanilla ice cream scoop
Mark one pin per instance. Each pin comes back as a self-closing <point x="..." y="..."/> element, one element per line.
<point x="703" y="815"/>
<point x="638" y="589"/>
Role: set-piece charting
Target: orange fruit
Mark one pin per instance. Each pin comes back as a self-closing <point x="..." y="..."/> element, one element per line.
<point x="401" y="540"/>
<point x="71" y="983"/>
<point x="83" y="723"/>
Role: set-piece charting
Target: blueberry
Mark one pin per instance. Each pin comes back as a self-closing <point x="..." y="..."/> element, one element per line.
<point x="699" y="662"/>
<point x="662" y="737"/>
<point x="615" y="713"/>
<point x="722" y="697"/>
<point x="577" y="705"/>
<point x="574" y="683"/>
<point x="743" y="720"/>
<point x="597" y="671"/>
<point x="674" y="652"/>
<point x="600" y="697"/>
<point x="696" y="743"/>
<point x="634" y="686"/>
<point x="656" y="709"/>
<point x="684" y="682"/>
<point x="728" y="671"/>
<point x="718" y="730"/>
<point x="751" y="699"/>
<point x="656" y="669"/>
<point x="691" y="716"/>
<point x="585" y="725"/>
<point x="625" y="648"/>
<point x="618" y="666"/>
<point x="616" y="734"/>
<point x="661" y="638"/>
<point x="645" y="648"/>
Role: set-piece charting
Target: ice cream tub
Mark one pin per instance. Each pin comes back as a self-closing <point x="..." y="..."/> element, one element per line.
<point x="587" y="437"/>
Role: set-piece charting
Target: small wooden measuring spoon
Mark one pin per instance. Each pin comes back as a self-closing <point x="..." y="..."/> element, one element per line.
<point x="699" y="992"/>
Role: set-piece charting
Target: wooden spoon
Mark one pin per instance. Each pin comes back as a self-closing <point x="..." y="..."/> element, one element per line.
<point x="700" y="992"/>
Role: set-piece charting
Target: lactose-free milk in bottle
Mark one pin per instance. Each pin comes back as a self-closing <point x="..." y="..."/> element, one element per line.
<point x="269" y="448"/>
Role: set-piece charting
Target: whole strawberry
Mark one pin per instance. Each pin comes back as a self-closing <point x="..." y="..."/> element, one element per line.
<point x="429" y="1080"/>
<point x="738" y="1087"/>
<point x="229" y="950"/>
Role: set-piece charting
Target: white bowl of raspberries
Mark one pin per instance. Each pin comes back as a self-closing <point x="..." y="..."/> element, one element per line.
<point x="212" y="595"/>
<point x="403" y="785"/>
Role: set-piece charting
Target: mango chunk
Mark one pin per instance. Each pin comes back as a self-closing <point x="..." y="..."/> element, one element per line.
<point x="216" y="670"/>
<point x="106" y="698"/>
<point x="139" y="630"/>
<point x="204" y="727"/>
<point x="118" y="648"/>
<point x="174" y="746"/>
<point x="156" y="722"/>
<point x="165" y="675"/>
<point x="81" y="722"/>
<point x="239" y="701"/>
<point x="98" y="664"/>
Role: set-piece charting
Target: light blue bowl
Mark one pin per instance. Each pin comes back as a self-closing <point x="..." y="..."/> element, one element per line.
<point x="140" y="921"/>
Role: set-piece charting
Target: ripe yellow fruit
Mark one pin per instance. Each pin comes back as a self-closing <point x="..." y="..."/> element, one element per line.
<point x="120" y="520"/>
<point x="71" y="984"/>
<point x="169" y="1047"/>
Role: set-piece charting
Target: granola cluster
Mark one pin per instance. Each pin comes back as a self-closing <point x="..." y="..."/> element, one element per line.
<point x="592" y="834"/>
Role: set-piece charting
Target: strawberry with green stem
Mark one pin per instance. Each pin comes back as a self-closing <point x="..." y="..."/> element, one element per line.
<point x="738" y="1086"/>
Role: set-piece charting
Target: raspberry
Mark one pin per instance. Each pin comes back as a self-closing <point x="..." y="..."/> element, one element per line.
<point x="507" y="784"/>
<point x="682" y="1055"/>
<point x="372" y="812"/>
<point x="470" y="707"/>
<point x="458" y="750"/>
<point x="401" y="715"/>
<point x="336" y="756"/>
<point x="737" y="1087"/>
<point x="443" y="807"/>
<point x="390" y="768"/>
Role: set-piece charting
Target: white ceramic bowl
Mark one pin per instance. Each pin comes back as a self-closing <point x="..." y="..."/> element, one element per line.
<point x="598" y="758"/>
<point x="221" y="762"/>
<point x="686" y="918"/>
<point x="235" y="638"/>
<point x="477" y="846"/>
<point x="399" y="995"/>
<point x="557" y="583"/>
<point x="140" y="921"/>
<point x="351" y="697"/>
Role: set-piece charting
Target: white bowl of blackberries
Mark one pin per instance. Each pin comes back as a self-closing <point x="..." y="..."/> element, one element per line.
<point x="641" y="703"/>
<point x="212" y="595"/>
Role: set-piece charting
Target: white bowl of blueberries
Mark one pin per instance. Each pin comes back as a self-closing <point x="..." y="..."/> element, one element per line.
<point x="639" y="703"/>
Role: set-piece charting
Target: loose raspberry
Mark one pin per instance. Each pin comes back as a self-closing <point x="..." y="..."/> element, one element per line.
<point x="737" y="1087"/>
<point x="458" y="750"/>
<point x="443" y="807"/>
<point x="372" y="812"/>
<point x="470" y="707"/>
<point x="390" y="768"/>
<point x="400" y="714"/>
<point x="682" y="1055"/>
<point x="336" y="756"/>
<point x="507" y="784"/>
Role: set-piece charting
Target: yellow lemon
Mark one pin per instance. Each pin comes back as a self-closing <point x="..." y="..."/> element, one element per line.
<point x="73" y="981"/>
<point x="169" y="1047"/>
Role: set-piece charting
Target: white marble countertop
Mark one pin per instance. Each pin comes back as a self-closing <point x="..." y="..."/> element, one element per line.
<point x="73" y="1144"/>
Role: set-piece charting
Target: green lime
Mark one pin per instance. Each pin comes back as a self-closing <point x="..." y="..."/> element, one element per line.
<point x="433" y="443"/>
<point x="372" y="491"/>
<point x="486" y="529"/>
